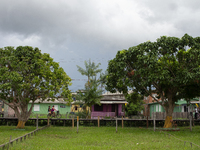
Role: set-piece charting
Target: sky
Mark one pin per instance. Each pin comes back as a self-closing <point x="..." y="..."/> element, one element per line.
<point x="74" y="31"/>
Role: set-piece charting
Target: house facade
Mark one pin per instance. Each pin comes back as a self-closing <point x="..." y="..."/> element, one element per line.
<point x="42" y="107"/>
<point x="112" y="105"/>
<point x="75" y="107"/>
<point x="181" y="109"/>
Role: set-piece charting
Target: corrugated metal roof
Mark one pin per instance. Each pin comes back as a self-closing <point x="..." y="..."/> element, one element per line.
<point x="59" y="100"/>
<point x="195" y="102"/>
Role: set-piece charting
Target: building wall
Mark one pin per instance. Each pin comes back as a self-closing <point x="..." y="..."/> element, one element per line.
<point x="147" y="100"/>
<point x="79" y="108"/>
<point x="178" y="108"/>
<point x="156" y="108"/>
<point x="43" y="108"/>
<point x="107" y="108"/>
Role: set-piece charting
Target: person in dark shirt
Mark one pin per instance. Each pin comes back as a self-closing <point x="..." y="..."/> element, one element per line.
<point x="49" y="110"/>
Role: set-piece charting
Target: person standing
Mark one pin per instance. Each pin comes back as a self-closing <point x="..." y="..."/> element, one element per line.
<point x="49" y="110"/>
<point x="53" y="110"/>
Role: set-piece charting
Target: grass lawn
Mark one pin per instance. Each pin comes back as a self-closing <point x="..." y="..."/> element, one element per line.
<point x="103" y="138"/>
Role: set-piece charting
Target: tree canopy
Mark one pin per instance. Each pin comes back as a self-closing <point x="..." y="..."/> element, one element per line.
<point x="135" y="103"/>
<point x="26" y="75"/>
<point x="92" y="94"/>
<point x="91" y="69"/>
<point x="170" y="67"/>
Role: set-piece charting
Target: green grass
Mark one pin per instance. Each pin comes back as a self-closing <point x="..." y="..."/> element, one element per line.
<point x="105" y="138"/>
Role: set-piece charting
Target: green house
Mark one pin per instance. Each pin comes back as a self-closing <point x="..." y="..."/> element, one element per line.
<point x="181" y="106"/>
<point x="42" y="107"/>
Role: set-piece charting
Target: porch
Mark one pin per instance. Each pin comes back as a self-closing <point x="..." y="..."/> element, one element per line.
<point x="102" y="115"/>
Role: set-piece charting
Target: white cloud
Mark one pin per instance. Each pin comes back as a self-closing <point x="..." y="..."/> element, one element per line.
<point x="19" y="40"/>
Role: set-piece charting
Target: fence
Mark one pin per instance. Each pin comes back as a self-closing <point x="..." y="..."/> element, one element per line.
<point x="10" y="143"/>
<point x="94" y="122"/>
<point x="175" y="115"/>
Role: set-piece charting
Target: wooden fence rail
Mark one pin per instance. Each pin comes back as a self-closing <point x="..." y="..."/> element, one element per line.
<point x="10" y="143"/>
<point x="94" y="122"/>
<point x="175" y="115"/>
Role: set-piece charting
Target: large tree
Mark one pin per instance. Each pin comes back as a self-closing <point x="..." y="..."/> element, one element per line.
<point x="91" y="94"/>
<point x="26" y="75"/>
<point x="170" y="67"/>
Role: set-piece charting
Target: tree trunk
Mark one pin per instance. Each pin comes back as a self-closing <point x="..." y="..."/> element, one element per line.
<point x="169" y="111"/>
<point x="168" y="122"/>
<point x="89" y="112"/>
<point x="21" y="124"/>
<point x="22" y="115"/>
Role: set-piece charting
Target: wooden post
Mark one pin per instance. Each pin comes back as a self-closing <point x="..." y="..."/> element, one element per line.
<point x="147" y="113"/>
<point x="98" y="121"/>
<point x="190" y="122"/>
<point x="37" y="122"/>
<point x="73" y="122"/>
<point x="77" y="123"/>
<point x="192" y="117"/>
<point x="116" y="124"/>
<point x="154" y="122"/>
<point x="124" y="111"/>
<point x="9" y="142"/>
<point x="122" y="122"/>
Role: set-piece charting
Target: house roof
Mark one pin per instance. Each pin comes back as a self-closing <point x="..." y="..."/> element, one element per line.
<point x="113" y="102"/>
<point x="180" y="102"/>
<point x="110" y="98"/>
<point x="59" y="100"/>
<point x="195" y="102"/>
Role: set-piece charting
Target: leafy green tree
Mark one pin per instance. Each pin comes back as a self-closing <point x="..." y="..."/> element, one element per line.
<point x="91" y="69"/>
<point x="169" y="67"/>
<point x="135" y="103"/>
<point x="90" y="95"/>
<point x="26" y="75"/>
<point x="102" y="79"/>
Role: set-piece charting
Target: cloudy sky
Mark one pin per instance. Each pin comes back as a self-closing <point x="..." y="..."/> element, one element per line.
<point x="73" y="31"/>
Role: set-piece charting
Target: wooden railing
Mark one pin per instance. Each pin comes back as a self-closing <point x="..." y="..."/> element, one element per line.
<point x="175" y="115"/>
<point x="95" y="115"/>
<point x="21" y="138"/>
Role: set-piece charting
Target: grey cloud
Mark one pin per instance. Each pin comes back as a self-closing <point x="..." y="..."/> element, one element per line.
<point x="73" y="29"/>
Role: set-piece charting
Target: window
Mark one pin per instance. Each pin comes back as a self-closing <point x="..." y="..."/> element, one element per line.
<point x="36" y="107"/>
<point x="185" y="109"/>
<point x="159" y="108"/>
<point x="75" y="107"/>
<point x="113" y="108"/>
<point x="156" y="108"/>
<point x="98" y="108"/>
<point x="56" y="107"/>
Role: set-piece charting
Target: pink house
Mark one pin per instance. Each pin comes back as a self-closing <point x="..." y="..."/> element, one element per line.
<point x="112" y="105"/>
